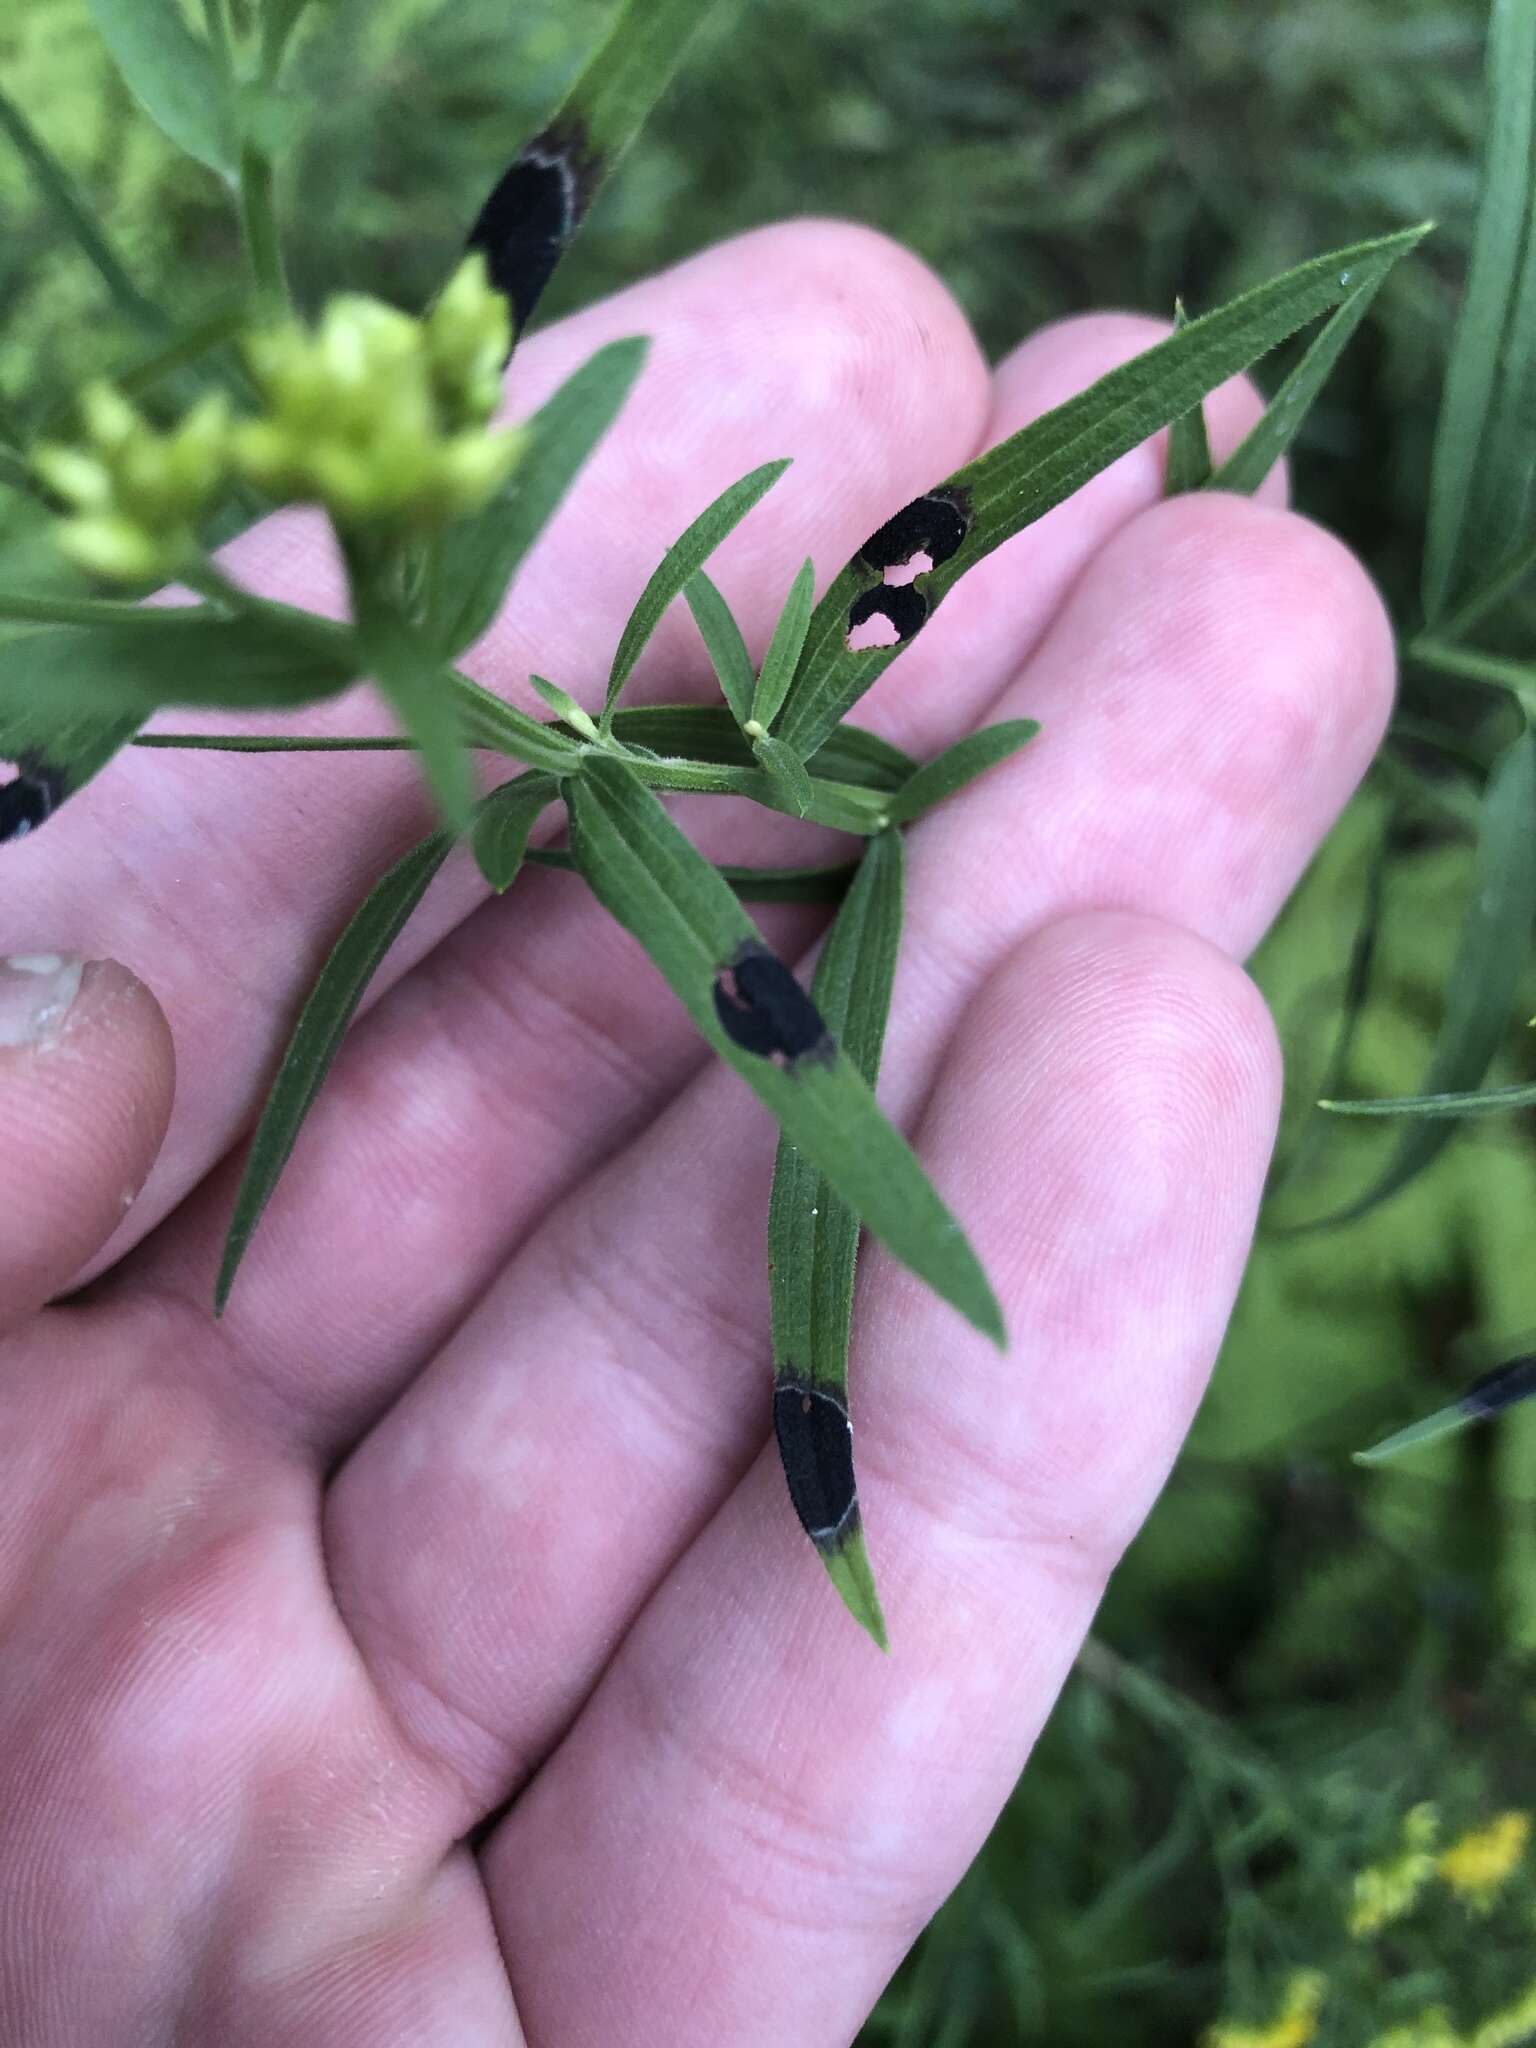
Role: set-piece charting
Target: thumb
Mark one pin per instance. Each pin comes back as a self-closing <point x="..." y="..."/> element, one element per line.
<point x="86" y="1078"/>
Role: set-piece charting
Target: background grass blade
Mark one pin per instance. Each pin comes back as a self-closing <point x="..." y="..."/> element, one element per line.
<point x="1470" y="407"/>
<point x="317" y="1038"/>
<point x="686" y="555"/>
<point x="1189" y="444"/>
<point x="1021" y="479"/>
<point x="958" y="765"/>
<point x="536" y="207"/>
<point x="661" y="889"/>
<point x="1491" y="958"/>
<point x="1283" y="418"/>
<point x="783" y="656"/>
<point x="502" y="823"/>
<point x="813" y="1235"/>
<point x="722" y="639"/>
<point x="172" y="74"/>
<point x="482" y="555"/>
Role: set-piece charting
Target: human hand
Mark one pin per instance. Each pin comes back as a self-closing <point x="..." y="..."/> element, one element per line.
<point x="469" y="1499"/>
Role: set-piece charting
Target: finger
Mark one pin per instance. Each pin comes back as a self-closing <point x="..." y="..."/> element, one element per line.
<point x="613" y="1378"/>
<point x="370" y="1249"/>
<point x="86" y="1077"/>
<point x="231" y="875"/>
<point x="757" y="1810"/>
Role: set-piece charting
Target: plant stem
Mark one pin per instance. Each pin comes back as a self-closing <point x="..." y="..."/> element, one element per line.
<point x="1516" y="677"/>
<point x="43" y="609"/>
<point x="258" y="227"/>
<point x="15" y="473"/>
<point x="221" y="34"/>
<point x="1499" y="585"/>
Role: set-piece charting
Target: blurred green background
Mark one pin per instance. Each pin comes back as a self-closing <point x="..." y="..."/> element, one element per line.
<point x="1297" y="1652"/>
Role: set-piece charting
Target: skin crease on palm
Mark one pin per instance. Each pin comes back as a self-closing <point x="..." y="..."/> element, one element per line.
<point x="427" y="1653"/>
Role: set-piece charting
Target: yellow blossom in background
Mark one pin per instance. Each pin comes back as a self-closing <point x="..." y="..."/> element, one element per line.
<point x="1384" y="1892"/>
<point x="1293" y="2027"/>
<point x="1479" y="1865"/>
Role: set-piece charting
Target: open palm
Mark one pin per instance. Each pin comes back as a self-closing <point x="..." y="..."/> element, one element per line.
<point x="427" y="1653"/>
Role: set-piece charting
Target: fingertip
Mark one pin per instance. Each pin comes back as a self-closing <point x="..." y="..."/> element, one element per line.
<point x="87" y="1074"/>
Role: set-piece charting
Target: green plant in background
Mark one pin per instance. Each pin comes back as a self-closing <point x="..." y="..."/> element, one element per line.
<point x="1321" y="1624"/>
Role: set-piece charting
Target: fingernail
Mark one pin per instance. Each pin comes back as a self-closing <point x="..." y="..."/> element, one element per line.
<point x="36" y="990"/>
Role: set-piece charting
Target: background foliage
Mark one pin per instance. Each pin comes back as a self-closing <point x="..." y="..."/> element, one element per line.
<point x="1296" y="1652"/>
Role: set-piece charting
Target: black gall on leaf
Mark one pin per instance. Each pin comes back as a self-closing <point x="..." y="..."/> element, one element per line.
<point x="764" y="1010"/>
<point x="816" y="1449"/>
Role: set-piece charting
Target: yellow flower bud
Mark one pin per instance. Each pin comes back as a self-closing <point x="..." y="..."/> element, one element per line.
<point x="80" y="479"/>
<point x="469" y="337"/>
<point x="108" y="545"/>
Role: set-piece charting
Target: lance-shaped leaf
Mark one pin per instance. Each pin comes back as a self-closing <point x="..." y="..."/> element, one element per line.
<point x="727" y="651"/>
<point x="788" y="771"/>
<point x="813" y="1241"/>
<point x="1490" y="1395"/>
<point x="865" y="618"/>
<point x="317" y="1037"/>
<point x="482" y="555"/>
<point x="532" y="215"/>
<point x="502" y="823"/>
<point x="752" y="885"/>
<point x="1262" y="447"/>
<point x="1472" y="1102"/>
<point x="683" y="559"/>
<point x="1189" y="444"/>
<point x="172" y="74"/>
<point x="1480" y="425"/>
<point x="783" y="656"/>
<point x="1491" y="956"/>
<point x="958" y="765"/>
<point x="760" y="1021"/>
<point x="708" y="732"/>
<point x="71" y="696"/>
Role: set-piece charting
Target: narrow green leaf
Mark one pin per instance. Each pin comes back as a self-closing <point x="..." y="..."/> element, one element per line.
<point x="482" y="555"/>
<point x="172" y="74"/>
<point x="1283" y="418"/>
<point x="413" y="682"/>
<point x="1485" y="979"/>
<point x="708" y="732"/>
<point x="1469" y="422"/>
<point x="317" y="1037"/>
<point x="502" y="823"/>
<point x="564" y="706"/>
<point x="663" y="891"/>
<point x="536" y="207"/>
<point x="269" y="743"/>
<point x="752" y="885"/>
<point x="1012" y="485"/>
<point x="77" y="219"/>
<point x="813" y="1235"/>
<point x="788" y="772"/>
<point x="1474" y="1102"/>
<point x="686" y="555"/>
<point x="1502" y="1388"/>
<point x="279" y="19"/>
<point x="722" y="639"/>
<point x="1189" y="445"/>
<point x="783" y="656"/>
<point x="958" y="765"/>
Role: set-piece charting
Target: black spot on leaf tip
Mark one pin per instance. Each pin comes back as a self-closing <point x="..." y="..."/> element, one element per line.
<point x="764" y="1010"/>
<point x="1501" y="1388"/>
<point x="29" y="799"/>
<point x="816" y="1450"/>
<point x="903" y="608"/>
<point x="934" y="525"/>
<point x="533" y="211"/>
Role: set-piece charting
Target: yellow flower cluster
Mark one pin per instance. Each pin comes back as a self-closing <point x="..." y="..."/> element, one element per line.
<point x="382" y="419"/>
<point x="1292" y="2027"/>
<point x="1481" y="1863"/>
<point x="136" y="494"/>
<point x="1512" y="2027"/>
<point x="1387" y="1891"/>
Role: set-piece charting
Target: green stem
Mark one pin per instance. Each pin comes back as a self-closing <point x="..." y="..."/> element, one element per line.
<point x="15" y="473"/>
<point x="1464" y="662"/>
<point x="258" y="227"/>
<point x="61" y="194"/>
<point x="221" y="33"/>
